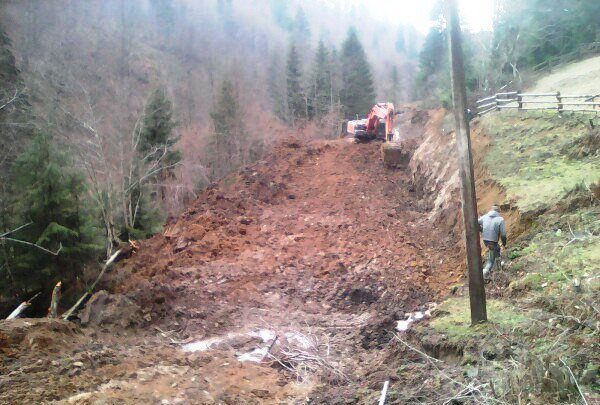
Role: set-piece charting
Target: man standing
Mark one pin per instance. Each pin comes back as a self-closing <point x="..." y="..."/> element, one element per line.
<point x="493" y="228"/>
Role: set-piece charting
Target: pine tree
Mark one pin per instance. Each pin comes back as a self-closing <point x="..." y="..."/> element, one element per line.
<point x="276" y="86"/>
<point x="228" y="131"/>
<point x="54" y="204"/>
<point x="320" y="89"/>
<point x="530" y="32"/>
<point x="280" y="11"/>
<point x="394" y="90"/>
<point x="154" y="167"/>
<point x="157" y="140"/>
<point x="400" y="41"/>
<point x="296" y="100"/>
<point x="357" y="94"/>
<point x="16" y="131"/>
<point x="15" y="124"/>
<point x="434" y="51"/>
<point x="433" y="79"/>
<point x="301" y="29"/>
<point x="164" y="11"/>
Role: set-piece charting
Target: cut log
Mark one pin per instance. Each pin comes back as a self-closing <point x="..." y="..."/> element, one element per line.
<point x="24" y="305"/>
<point x="56" y="294"/>
<point x="68" y="314"/>
<point x="17" y="312"/>
<point x="269" y="349"/>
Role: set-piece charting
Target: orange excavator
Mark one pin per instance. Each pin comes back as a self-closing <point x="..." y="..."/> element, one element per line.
<point x="378" y="124"/>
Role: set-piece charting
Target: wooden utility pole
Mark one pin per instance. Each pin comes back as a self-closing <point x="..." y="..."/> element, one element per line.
<point x="465" y="164"/>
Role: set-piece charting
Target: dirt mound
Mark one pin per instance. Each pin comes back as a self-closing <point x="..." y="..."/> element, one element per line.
<point x="44" y="334"/>
<point x="321" y="224"/>
<point x="111" y="309"/>
<point x="319" y="246"/>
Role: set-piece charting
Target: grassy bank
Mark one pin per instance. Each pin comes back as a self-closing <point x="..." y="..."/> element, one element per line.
<point x="541" y="344"/>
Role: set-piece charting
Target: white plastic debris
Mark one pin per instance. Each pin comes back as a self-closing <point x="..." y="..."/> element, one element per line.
<point x="404" y="325"/>
<point x="255" y="355"/>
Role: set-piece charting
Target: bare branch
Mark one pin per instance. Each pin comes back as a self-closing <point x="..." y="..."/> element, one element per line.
<point x="12" y="100"/>
<point x="150" y="174"/>
<point x="16" y="229"/>
<point x="3" y="238"/>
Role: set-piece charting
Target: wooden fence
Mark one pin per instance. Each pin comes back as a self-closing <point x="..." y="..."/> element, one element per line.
<point x="578" y="54"/>
<point x="539" y="101"/>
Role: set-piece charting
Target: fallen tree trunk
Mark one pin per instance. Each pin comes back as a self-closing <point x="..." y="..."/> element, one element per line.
<point x="17" y="312"/>
<point x="68" y="314"/>
<point x="56" y="294"/>
<point x="22" y="307"/>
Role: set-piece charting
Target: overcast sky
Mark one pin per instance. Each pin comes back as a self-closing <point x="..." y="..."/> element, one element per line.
<point x="477" y="15"/>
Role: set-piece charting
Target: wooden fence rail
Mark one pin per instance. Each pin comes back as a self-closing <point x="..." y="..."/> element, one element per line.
<point x="578" y="54"/>
<point x="538" y="101"/>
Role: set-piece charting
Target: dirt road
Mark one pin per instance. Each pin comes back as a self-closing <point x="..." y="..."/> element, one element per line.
<point x="318" y="247"/>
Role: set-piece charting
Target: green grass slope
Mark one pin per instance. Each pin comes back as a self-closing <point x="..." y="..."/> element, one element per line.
<point x="542" y="343"/>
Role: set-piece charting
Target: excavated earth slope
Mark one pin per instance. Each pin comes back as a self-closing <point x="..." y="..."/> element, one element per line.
<point x="318" y="247"/>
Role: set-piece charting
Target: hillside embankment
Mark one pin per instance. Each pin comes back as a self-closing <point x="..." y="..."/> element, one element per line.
<point x="315" y="251"/>
<point x="305" y="278"/>
<point x="541" y="342"/>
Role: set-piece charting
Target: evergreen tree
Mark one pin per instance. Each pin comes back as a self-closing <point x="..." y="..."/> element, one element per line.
<point x="301" y="29"/>
<point x="434" y="53"/>
<point x="280" y="11"/>
<point x="320" y="89"/>
<point x="153" y="168"/>
<point x="228" y="131"/>
<point x="276" y="86"/>
<point x="157" y="140"/>
<point x="54" y="205"/>
<point x="15" y="134"/>
<point x="433" y="79"/>
<point x="164" y="10"/>
<point x="394" y="90"/>
<point x="357" y="94"/>
<point x="530" y="32"/>
<point x="336" y="76"/>
<point x="296" y="100"/>
<point x="412" y="38"/>
<point x="400" y="41"/>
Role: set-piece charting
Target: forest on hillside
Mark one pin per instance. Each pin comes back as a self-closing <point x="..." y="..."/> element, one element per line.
<point x="115" y="114"/>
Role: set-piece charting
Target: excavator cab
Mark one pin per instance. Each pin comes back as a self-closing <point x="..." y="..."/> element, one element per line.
<point x="379" y="124"/>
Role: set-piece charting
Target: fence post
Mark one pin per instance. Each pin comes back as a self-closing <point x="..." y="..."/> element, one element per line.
<point x="519" y="99"/>
<point x="559" y="98"/>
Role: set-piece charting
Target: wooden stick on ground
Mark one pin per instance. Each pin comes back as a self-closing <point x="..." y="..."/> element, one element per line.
<point x="56" y="294"/>
<point x="68" y="314"/>
<point x="270" y="347"/>
<point x="24" y="305"/>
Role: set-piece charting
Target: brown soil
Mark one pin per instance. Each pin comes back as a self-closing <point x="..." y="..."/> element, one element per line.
<point x="318" y="240"/>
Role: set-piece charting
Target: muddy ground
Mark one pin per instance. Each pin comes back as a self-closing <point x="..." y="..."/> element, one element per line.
<point x="318" y="247"/>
